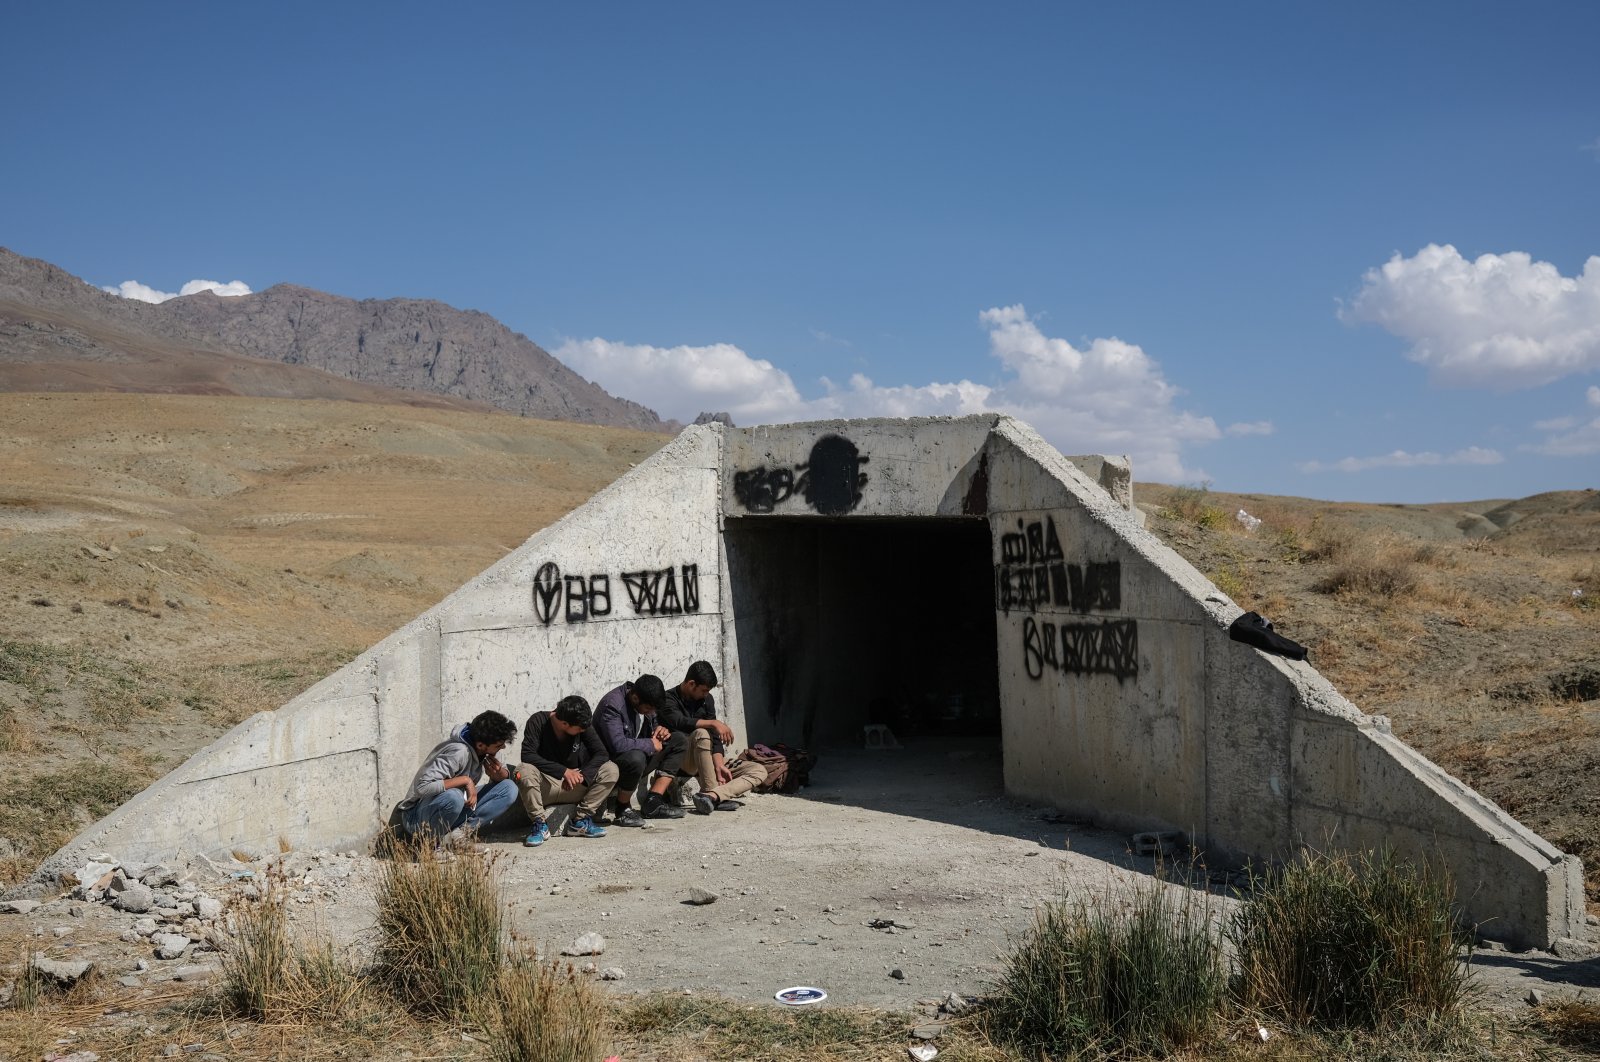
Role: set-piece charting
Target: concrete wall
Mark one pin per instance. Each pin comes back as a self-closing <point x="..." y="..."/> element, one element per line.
<point x="630" y="582"/>
<point x="1121" y="696"/>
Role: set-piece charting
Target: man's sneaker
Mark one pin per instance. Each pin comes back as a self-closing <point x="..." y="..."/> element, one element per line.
<point x="540" y="834"/>
<point x="583" y="827"/>
<point x="627" y="817"/>
<point x="703" y="805"/>
<point x="655" y="807"/>
<point x="729" y="805"/>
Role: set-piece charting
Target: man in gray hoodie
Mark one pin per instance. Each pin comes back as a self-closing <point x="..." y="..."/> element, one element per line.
<point x="444" y="796"/>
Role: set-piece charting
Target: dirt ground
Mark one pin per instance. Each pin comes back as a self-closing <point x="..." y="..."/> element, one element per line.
<point x="171" y="564"/>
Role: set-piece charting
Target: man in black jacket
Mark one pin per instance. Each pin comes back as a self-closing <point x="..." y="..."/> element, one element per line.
<point x="689" y="709"/>
<point x="564" y="762"/>
<point x="639" y="745"/>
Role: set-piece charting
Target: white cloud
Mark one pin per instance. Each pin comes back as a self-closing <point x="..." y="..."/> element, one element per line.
<point x="1501" y="321"/>
<point x="1593" y="396"/>
<point x="132" y="289"/>
<point x="1472" y="455"/>
<point x="1556" y="424"/>
<point x="1581" y="442"/>
<point x="1255" y="427"/>
<point x="1108" y="397"/>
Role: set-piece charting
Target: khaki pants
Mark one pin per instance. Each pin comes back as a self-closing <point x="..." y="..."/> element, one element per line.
<point x="539" y="791"/>
<point x="698" y="762"/>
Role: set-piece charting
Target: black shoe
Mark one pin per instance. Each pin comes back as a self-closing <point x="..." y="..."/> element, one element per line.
<point x="703" y="805"/>
<point x="656" y="807"/>
<point x="729" y="805"/>
<point x="627" y="817"/>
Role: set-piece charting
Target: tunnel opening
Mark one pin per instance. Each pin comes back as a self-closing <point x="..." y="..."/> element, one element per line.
<point x="842" y="623"/>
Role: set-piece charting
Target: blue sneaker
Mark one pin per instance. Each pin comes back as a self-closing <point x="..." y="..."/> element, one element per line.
<point x="583" y="827"/>
<point x="540" y="834"/>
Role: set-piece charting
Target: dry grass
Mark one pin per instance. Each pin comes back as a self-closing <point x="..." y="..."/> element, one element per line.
<point x="270" y="977"/>
<point x="441" y="928"/>
<point x="1572" y="1023"/>
<point x="1377" y="570"/>
<point x="545" y="1011"/>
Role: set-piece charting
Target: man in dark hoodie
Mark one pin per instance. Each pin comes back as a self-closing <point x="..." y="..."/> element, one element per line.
<point x="689" y="711"/>
<point x="444" y="796"/>
<point x="627" y="723"/>
<point x="564" y="762"/>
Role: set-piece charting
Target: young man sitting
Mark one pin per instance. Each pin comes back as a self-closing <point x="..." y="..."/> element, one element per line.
<point x="563" y="762"/>
<point x="638" y="744"/>
<point x="444" y="797"/>
<point x="690" y="710"/>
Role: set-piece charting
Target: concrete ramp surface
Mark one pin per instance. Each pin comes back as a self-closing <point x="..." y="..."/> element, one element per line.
<point x="838" y="573"/>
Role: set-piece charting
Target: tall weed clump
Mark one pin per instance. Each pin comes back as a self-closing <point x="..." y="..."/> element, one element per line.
<point x="1352" y="941"/>
<point x="544" y="1011"/>
<point x="440" y="929"/>
<point x="1140" y="972"/>
<point x="268" y="976"/>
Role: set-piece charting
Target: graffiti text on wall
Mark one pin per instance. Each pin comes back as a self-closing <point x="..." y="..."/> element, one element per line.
<point x="1033" y="573"/>
<point x="1109" y="647"/>
<point x="651" y="592"/>
<point x="830" y="481"/>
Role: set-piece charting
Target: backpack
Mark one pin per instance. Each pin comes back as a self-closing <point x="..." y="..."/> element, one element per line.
<point x="788" y="767"/>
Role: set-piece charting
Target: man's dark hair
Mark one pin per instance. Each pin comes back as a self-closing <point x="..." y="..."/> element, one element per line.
<point x="574" y="711"/>
<point x="491" y="728"/>
<point x="650" y="690"/>
<point x="701" y="673"/>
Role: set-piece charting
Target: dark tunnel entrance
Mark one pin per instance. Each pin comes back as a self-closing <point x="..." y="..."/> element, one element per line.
<point x="841" y="623"/>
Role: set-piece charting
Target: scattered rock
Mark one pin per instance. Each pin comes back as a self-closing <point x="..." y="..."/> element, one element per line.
<point x="145" y="926"/>
<point x="207" y="908"/>
<point x="954" y="1003"/>
<point x="170" y="945"/>
<point x="898" y="974"/>
<point x="158" y="874"/>
<point x="1572" y="949"/>
<point x="700" y="897"/>
<point x="135" y="897"/>
<point x="129" y="981"/>
<point x="612" y="973"/>
<point x="194" y="973"/>
<point x="587" y="944"/>
<point x="588" y="968"/>
<point x="1534" y="998"/>
<point x="61" y="974"/>
<point x="928" y="1032"/>
<point x="18" y="906"/>
<point x="1492" y="945"/>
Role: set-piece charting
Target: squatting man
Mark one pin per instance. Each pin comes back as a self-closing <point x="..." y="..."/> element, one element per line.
<point x="575" y="755"/>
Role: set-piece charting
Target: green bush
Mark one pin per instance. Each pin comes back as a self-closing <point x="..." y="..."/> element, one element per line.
<point x="1139" y="972"/>
<point x="1341" y="941"/>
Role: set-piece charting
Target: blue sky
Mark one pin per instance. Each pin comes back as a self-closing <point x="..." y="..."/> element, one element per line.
<point x="1336" y="252"/>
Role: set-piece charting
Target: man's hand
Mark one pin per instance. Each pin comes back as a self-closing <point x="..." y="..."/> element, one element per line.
<point x="655" y="743"/>
<point x="472" y="791"/>
<point x="572" y="779"/>
<point x="497" y="771"/>
<point x="723" y="731"/>
<point x="724" y="776"/>
<point x="661" y="735"/>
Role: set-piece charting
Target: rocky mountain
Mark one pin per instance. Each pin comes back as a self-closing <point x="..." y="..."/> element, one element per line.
<point x="58" y="332"/>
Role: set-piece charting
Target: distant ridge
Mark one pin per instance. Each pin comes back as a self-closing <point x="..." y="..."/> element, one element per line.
<point x="60" y="333"/>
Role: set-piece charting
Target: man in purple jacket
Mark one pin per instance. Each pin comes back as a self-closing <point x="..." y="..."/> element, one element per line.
<point x="626" y="720"/>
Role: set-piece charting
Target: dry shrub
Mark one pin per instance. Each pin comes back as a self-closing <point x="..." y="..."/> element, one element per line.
<point x="1380" y="571"/>
<point x="1193" y="505"/>
<point x="1330" y="540"/>
<point x="1352" y="941"/>
<point x="545" y="1011"/>
<point x="1137" y="973"/>
<point x="1573" y="1023"/>
<point x="270" y="977"/>
<point x="440" y="928"/>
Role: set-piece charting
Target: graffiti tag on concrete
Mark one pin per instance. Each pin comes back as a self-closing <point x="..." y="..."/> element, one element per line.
<point x="579" y="598"/>
<point x="830" y="481"/>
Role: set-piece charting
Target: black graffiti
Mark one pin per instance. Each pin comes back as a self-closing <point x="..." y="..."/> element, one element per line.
<point x="1034" y="574"/>
<point x="584" y="597"/>
<point x="1109" y="647"/>
<point x="657" y="592"/>
<point x="831" y="481"/>
<point x="546" y="591"/>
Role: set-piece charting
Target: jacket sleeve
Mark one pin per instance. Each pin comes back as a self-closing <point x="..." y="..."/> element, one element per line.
<point x="674" y="715"/>
<point x="609" y="721"/>
<point x="537" y="722"/>
<point x="450" y="761"/>
<point x="595" y="755"/>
